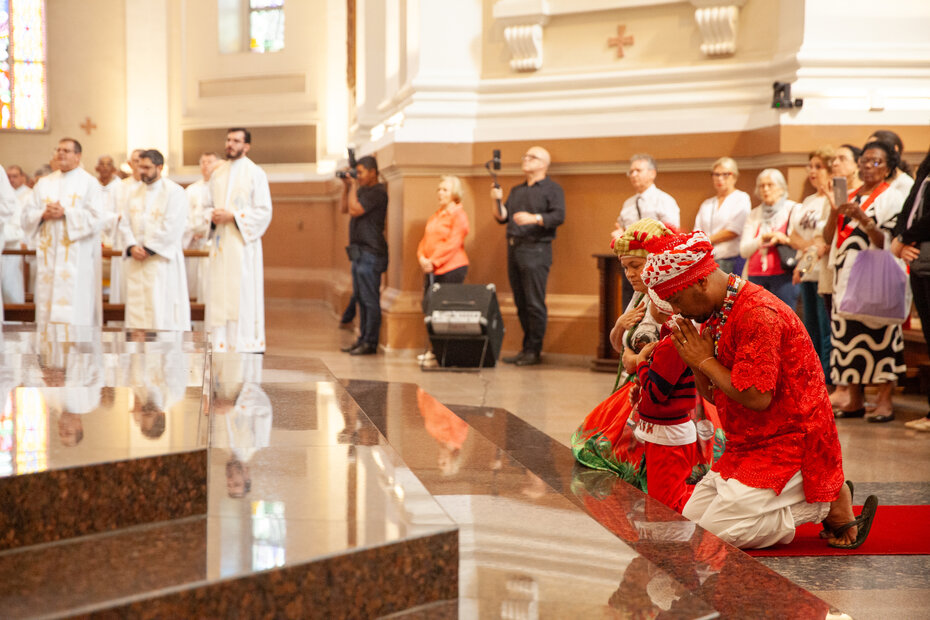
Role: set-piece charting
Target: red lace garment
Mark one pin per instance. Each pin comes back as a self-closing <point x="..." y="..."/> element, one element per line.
<point x="766" y="347"/>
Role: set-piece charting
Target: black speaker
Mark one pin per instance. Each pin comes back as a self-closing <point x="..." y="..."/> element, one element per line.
<point x="464" y="324"/>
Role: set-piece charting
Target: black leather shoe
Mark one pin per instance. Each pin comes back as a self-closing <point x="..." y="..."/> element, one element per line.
<point x="855" y="413"/>
<point x="513" y="359"/>
<point x="364" y="349"/>
<point x="530" y="358"/>
<point x="349" y="348"/>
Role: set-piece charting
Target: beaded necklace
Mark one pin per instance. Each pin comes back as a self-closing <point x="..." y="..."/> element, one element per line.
<point x="719" y="318"/>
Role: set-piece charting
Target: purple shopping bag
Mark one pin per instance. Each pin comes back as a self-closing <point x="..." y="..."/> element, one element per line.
<point x="876" y="289"/>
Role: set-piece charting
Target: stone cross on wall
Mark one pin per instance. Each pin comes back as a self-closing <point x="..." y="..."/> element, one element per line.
<point x="620" y="41"/>
<point x="88" y="125"/>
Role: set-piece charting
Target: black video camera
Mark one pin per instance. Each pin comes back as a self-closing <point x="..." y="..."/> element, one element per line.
<point x="351" y="172"/>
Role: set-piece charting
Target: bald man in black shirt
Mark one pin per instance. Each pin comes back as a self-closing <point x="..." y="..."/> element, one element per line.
<point x="532" y="212"/>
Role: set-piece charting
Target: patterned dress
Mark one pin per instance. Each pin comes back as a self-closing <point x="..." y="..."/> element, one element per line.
<point x="865" y="353"/>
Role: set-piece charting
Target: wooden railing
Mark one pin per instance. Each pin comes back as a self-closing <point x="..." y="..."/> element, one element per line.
<point x="26" y="312"/>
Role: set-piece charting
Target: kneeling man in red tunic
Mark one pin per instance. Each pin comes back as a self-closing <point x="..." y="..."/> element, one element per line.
<point x="753" y="358"/>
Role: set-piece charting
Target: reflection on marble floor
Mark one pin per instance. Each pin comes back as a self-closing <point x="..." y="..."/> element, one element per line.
<point x="78" y="396"/>
<point x="302" y="495"/>
<point x="299" y="482"/>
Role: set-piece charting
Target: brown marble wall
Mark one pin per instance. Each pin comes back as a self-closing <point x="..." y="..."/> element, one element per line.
<point x="64" y="503"/>
<point x="84" y="573"/>
<point x="365" y="584"/>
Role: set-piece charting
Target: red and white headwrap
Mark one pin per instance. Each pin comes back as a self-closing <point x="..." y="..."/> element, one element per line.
<point x="676" y="262"/>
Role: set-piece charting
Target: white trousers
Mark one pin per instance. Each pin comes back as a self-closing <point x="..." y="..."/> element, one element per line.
<point x="11" y="280"/>
<point x="751" y="518"/>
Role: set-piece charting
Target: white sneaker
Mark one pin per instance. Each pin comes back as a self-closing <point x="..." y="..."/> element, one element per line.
<point x="426" y="357"/>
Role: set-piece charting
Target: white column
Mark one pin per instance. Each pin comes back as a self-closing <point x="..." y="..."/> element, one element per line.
<point x="335" y="100"/>
<point x="392" y="44"/>
<point x="147" y="74"/>
<point x="844" y="80"/>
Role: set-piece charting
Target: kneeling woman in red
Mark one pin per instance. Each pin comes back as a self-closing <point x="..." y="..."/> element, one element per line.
<point x="614" y="436"/>
<point x="667" y="397"/>
<point x="605" y="439"/>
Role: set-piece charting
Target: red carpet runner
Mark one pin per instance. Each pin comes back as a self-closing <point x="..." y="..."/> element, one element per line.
<point x="897" y="530"/>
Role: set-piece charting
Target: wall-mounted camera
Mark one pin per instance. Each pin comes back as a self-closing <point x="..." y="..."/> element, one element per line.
<point x="781" y="96"/>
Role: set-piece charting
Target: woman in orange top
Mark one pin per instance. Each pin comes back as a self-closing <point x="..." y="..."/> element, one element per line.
<point x="441" y="252"/>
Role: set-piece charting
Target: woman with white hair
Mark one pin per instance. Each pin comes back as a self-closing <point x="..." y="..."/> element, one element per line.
<point x="767" y="227"/>
<point x="723" y="216"/>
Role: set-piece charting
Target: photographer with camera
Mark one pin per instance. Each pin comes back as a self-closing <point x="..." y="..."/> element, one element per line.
<point x="532" y="212"/>
<point x="365" y="200"/>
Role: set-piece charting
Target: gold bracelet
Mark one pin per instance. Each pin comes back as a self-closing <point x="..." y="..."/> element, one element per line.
<point x="702" y="363"/>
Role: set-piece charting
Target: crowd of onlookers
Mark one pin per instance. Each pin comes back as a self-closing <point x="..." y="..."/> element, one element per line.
<point x="844" y="250"/>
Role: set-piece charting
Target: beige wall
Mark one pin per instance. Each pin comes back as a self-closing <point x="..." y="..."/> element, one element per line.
<point x="664" y="36"/>
<point x="211" y="89"/>
<point x="86" y="77"/>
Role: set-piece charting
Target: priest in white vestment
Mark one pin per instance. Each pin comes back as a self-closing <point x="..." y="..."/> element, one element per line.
<point x="64" y="217"/>
<point x="239" y="214"/>
<point x="196" y="237"/>
<point x="24" y="194"/>
<point x="11" y="272"/>
<point x="151" y="226"/>
<point x="110" y="185"/>
<point x="124" y="191"/>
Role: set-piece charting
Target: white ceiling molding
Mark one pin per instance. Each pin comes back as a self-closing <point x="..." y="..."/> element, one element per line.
<point x="718" y="21"/>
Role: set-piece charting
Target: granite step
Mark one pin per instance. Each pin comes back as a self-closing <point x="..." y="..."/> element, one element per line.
<point x="305" y="511"/>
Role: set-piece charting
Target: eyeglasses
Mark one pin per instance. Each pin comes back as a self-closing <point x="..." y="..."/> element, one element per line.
<point x="721" y="175"/>
<point x="871" y="163"/>
<point x="530" y="156"/>
<point x="637" y="171"/>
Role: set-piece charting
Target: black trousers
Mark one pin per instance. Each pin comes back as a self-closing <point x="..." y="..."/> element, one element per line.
<point x="528" y="268"/>
<point x="920" y="286"/>
<point x="456" y="276"/>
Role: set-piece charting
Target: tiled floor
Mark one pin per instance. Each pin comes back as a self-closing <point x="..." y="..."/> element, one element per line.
<point x="888" y="459"/>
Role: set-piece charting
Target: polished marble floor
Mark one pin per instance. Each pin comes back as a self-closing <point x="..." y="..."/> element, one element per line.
<point x="887" y="459"/>
<point x="118" y="492"/>
<point x="450" y="492"/>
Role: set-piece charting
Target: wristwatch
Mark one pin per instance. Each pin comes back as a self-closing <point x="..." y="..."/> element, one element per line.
<point x="539" y="219"/>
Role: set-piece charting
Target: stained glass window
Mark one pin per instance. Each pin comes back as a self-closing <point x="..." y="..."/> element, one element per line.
<point x="23" y="97"/>
<point x="266" y="25"/>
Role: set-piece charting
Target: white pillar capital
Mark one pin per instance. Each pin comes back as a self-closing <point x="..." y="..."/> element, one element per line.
<point x="523" y="22"/>
<point x="718" y="21"/>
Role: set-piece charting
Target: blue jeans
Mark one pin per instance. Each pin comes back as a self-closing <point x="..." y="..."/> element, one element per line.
<point x="780" y="286"/>
<point x="817" y="323"/>
<point x="366" y="289"/>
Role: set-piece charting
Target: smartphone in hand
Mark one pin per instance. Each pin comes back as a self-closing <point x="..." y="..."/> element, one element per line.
<point x="840" y="191"/>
